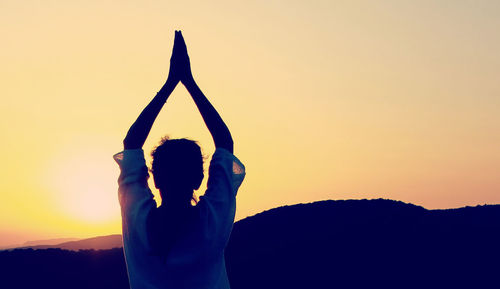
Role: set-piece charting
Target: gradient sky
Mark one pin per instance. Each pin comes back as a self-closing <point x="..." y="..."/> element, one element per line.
<point x="325" y="100"/>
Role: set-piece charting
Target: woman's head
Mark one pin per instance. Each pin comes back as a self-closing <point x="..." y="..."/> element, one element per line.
<point x="177" y="168"/>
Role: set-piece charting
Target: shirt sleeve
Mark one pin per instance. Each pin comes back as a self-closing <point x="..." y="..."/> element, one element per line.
<point x="218" y="204"/>
<point x="136" y="199"/>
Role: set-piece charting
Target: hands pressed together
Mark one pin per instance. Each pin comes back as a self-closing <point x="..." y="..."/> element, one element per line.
<point x="180" y="71"/>
<point x="180" y="67"/>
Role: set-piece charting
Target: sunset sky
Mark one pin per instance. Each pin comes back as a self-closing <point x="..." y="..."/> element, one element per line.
<point x="324" y="99"/>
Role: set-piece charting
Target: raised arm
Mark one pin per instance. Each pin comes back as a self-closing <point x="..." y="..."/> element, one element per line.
<point x="139" y="131"/>
<point x="218" y="129"/>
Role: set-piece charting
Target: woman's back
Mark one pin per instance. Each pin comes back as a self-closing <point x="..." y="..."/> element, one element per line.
<point x="194" y="258"/>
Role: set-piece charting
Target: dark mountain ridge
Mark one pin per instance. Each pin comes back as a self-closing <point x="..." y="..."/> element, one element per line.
<point x="365" y="243"/>
<point x="327" y="244"/>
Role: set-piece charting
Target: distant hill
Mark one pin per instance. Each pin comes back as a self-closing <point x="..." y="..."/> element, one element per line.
<point x="96" y="243"/>
<point x="74" y="244"/>
<point x="327" y="244"/>
<point x="49" y="242"/>
<point x="38" y="243"/>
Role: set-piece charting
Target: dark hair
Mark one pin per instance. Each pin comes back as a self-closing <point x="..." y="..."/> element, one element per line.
<point x="177" y="167"/>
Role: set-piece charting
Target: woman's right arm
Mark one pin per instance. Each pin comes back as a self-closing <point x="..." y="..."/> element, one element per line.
<point x="218" y="129"/>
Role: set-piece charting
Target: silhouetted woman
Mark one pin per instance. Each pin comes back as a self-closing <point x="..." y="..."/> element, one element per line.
<point x="177" y="245"/>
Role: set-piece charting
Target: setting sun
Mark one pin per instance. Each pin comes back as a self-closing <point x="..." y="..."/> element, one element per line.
<point x="84" y="185"/>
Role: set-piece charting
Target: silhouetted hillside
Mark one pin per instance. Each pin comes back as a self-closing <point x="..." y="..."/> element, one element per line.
<point x="96" y="243"/>
<point x="57" y="268"/>
<point x="366" y="244"/>
<point x="327" y="244"/>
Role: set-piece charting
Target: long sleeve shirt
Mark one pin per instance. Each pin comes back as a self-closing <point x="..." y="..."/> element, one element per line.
<point x="196" y="259"/>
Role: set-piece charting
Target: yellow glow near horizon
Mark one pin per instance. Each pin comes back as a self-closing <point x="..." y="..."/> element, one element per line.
<point x="324" y="99"/>
<point x="83" y="184"/>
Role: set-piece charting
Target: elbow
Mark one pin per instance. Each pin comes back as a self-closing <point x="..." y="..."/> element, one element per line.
<point x="226" y="143"/>
<point x="129" y="144"/>
<point x="126" y="143"/>
<point x="230" y="144"/>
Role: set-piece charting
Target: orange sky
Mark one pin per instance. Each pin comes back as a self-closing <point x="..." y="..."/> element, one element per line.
<point x="325" y="100"/>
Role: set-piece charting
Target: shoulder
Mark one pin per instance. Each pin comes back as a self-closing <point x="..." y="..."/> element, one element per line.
<point x="129" y="158"/>
<point x="228" y="160"/>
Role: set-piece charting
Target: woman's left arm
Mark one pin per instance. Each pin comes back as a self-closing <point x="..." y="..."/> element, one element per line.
<point x="139" y="131"/>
